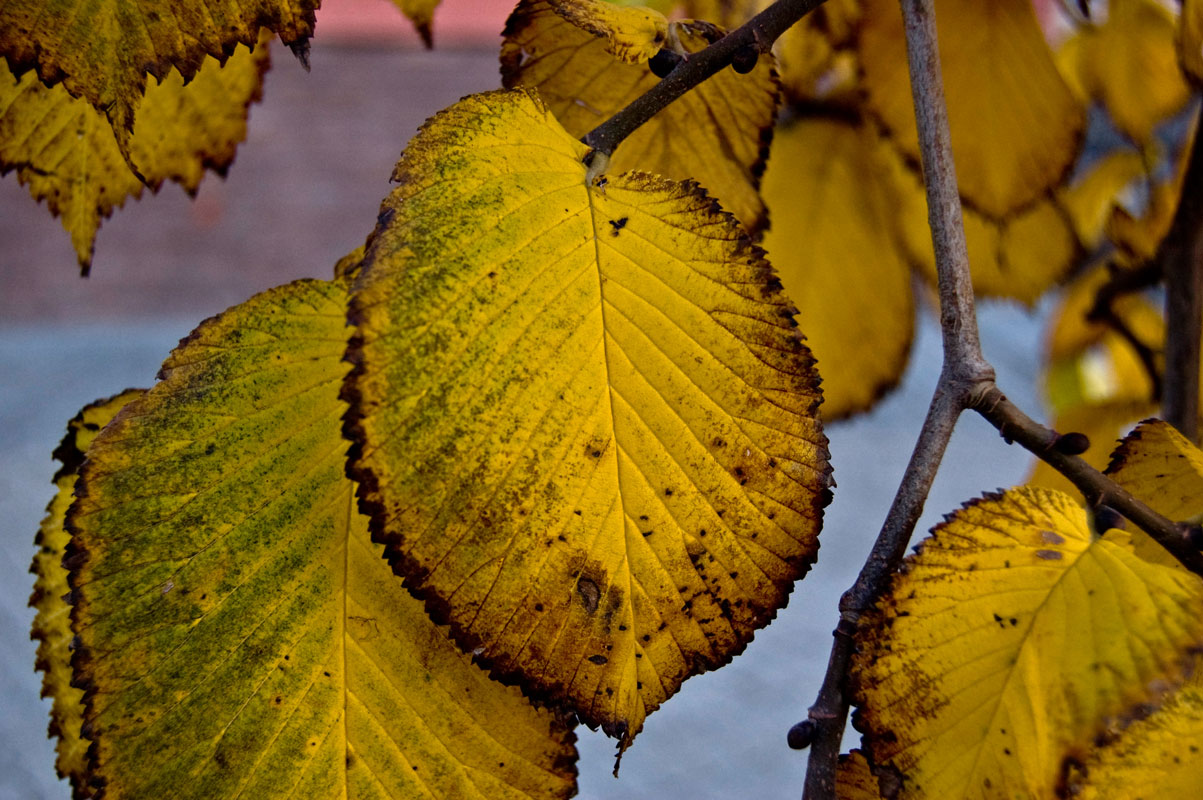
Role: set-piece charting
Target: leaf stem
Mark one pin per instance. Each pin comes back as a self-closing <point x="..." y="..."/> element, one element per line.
<point x="1181" y="259"/>
<point x="758" y="33"/>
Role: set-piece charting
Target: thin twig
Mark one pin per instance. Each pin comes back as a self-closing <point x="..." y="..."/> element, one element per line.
<point x="757" y="35"/>
<point x="1098" y="489"/>
<point x="829" y="714"/>
<point x="1181" y="259"/>
<point x="966" y="372"/>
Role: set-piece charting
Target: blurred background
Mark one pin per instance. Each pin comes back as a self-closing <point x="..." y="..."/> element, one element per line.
<point x="302" y="192"/>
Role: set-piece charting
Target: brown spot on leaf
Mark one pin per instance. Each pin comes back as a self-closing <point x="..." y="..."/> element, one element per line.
<point x="1049" y="555"/>
<point x="589" y="593"/>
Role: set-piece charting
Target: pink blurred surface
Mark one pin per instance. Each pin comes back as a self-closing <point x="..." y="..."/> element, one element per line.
<point x="457" y="23"/>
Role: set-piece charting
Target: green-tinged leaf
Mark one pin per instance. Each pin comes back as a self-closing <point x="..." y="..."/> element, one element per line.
<point x="1153" y="757"/>
<point x="717" y="134"/>
<point x="836" y="245"/>
<point x="103" y="50"/>
<point x="1016" y="126"/>
<point x="240" y="635"/>
<point x="1009" y="641"/>
<point x="421" y="14"/>
<point x="1129" y="64"/>
<point x="585" y="423"/>
<point x="52" y="625"/>
<point x="66" y="152"/>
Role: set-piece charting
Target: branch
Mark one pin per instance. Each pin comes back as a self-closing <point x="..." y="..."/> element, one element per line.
<point x="1181" y="260"/>
<point x="1098" y="489"/>
<point x="757" y="35"/>
<point x="963" y="377"/>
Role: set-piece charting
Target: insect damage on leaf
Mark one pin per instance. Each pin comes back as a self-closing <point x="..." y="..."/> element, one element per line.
<point x="595" y="456"/>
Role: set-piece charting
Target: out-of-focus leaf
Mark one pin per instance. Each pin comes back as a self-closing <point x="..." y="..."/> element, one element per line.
<point x="814" y="56"/>
<point x="1129" y="64"/>
<point x="52" y="625"/>
<point x="421" y="14"/>
<point x="585" y="424"/>
<point x="1190" y="40"/>
<point x="65" y="150"/>
<point x="1089" y="200"/>
<point x="103" y="50"/>
<point x="1095" y="382"/>
<point x="836" y="246"/>
<point x="1010" y="640"/>
<point x="1152" y="757"/>
<point x="717" y="134"/>
<point x="240" y="635"/>
<point x="1016" y="126"/>
<point x="1018" y="258"/>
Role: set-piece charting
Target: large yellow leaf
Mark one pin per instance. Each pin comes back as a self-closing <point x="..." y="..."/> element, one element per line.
<point x="837" y="248"/>
<point x="717" y="134"/>
<point x="586" y="422"/>
<point x="66" y="152"/>
<point x="1130" y="65"/>
<point x="52" y="625"/>
<point x="1016" y="126"/>
<point x="103" y="50"/>
<point x="1153" y="757"/>
<point x="240" y="634"/>
<point x="1010" y="640"/>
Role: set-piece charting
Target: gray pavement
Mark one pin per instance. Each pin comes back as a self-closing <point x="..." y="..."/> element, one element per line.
<point x="303" y="191"/>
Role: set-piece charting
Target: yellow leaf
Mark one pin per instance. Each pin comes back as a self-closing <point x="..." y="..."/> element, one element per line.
<point x="1019" y="258"/>
<point x="836" y="245"/>
<point x="239" y="633"/>
<point x="52" y="625"/>
<point x="1190" y="40"/>
<point x="853" y="780"/>
<point x="812" y="55"/>
<point x="1016" y="126"/>
<point x="1163" y="468"/>
<point x="1130" y="65"/>
<point x="1089" y="200"/>
<point x="103" y="50"/>
<point x="587" y="426"/>
<point x="717" y="134"/>
<point x="632" y="34"/>
<point x="1104" y="423"/>
<point x="1008" y="643"/>
<point x="1152" y="757"/>
<point x="1072" y="332"/>
<point x="66" y="152"/>
<point x="421" y="14"/>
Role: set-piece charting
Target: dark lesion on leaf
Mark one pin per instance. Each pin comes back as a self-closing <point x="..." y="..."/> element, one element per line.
<point x="618" y="224"/>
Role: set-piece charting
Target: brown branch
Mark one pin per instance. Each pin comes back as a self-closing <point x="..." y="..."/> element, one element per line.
<point x="964" y="374"/>
<point x="757" y="35"/>
<point x="1181" y="260"/>
<point x="1098" y="489"/>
